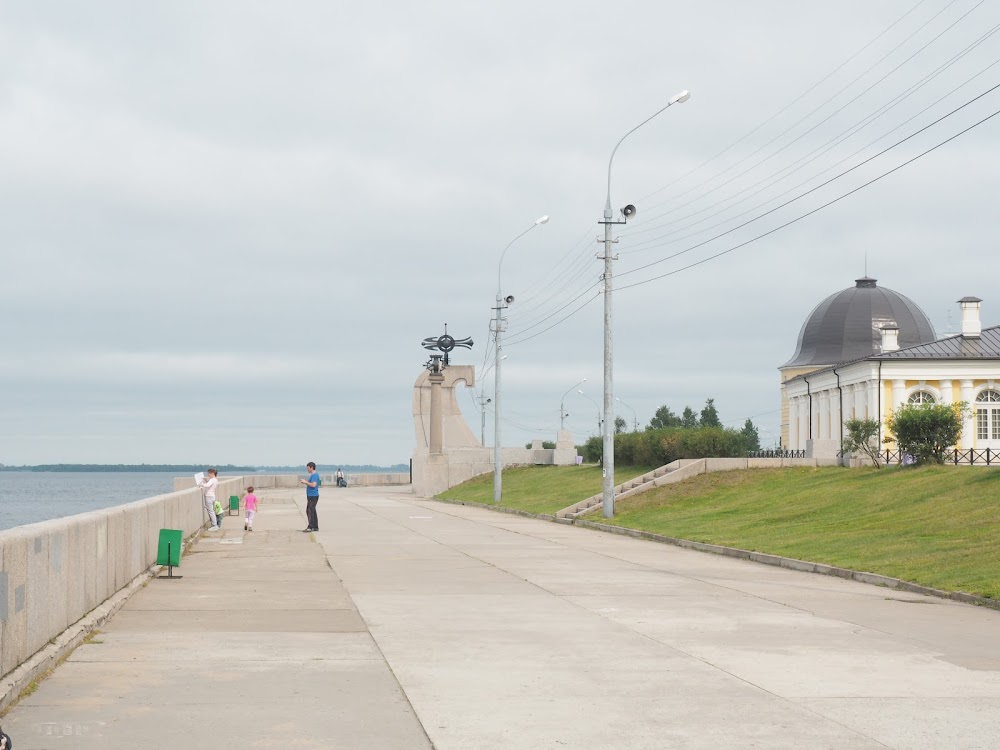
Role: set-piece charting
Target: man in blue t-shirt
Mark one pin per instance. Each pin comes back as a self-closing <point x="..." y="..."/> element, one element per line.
<point x="312" y="497"/>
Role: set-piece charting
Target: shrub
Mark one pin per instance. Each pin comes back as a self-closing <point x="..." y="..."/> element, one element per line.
<point x="927" y="431"/>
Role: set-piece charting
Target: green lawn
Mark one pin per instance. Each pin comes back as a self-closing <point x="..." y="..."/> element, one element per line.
<point x="540" y="489"/>
<point x="937" y="526"/>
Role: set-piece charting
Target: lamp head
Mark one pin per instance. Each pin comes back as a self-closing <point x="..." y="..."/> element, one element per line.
<point x="542" y="220"/>
<point x="680" y="97"/>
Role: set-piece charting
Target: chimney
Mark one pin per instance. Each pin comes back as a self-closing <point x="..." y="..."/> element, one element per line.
<point x="890" y="338"/>
<point x="972" y="327"/>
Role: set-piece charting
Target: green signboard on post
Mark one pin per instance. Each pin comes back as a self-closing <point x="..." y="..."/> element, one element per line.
<point x="169" y="550"/>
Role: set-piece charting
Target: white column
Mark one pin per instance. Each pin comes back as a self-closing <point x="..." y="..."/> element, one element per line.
<point x="947" y="395"/>
<point x="803" y="423"/>
<point x="898" y="393"/>
<point x="873" y="411"/>
<point x="969" y="425"/>
<point x="823" y="417"/>
<point x="860" y="401"/>
<point x="793" y="423"/>
<point x="835" y="396"/>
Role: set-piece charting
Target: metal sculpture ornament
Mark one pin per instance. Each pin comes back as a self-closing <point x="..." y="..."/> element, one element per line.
<point x="445" y="343"/>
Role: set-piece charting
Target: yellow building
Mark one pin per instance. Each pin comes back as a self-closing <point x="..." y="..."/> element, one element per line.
<point x="867" y="350"/>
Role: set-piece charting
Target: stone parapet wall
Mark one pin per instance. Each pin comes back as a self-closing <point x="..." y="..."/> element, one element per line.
<point x="285" y="481"/>
<point x="54" y="572"/>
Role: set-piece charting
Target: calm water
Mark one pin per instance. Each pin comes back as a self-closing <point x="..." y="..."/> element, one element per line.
<point x="28" y="497"/>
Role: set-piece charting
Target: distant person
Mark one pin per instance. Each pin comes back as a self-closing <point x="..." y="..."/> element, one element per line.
<point x="217" y="507"/>
<point x="341" y="482"/>
<point x="312" y="497"/>
<point x="208" y="490"/>
<point x="250" y="506"/>
<point x="6" y="743"/>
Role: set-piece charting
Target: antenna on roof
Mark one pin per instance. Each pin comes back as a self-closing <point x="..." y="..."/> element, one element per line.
<point x="866" y="263"/>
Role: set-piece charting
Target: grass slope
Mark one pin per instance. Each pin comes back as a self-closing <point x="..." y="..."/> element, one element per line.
<point x="540" y="489"/>
<point x="937" y="526"/>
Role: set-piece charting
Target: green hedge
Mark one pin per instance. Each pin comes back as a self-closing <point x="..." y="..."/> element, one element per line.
<point x="659" y="447"/>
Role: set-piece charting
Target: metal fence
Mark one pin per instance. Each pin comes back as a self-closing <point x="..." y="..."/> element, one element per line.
<point x="776" y="453"/>
<point x="958" y="457"/>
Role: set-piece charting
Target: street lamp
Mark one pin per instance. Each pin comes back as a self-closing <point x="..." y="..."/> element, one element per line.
<point x="502" y="304"/>
<point x="598" y="406"/>
<point x="483" y="400"/>
<point x="608" y="492"/>
<point x="562" y="409"/>
<point x="635" y="418"/>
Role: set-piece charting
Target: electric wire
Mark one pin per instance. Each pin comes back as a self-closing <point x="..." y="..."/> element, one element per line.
<point x="787" y="106"/>
<point x="824" y="184"/>
<point x="811" y="129"/>
<point x="838" y="139"/>
<point x="815" y="210"/>
<point x="638" y="247"/>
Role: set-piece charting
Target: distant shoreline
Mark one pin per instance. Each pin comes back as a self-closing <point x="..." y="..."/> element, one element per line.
<point x="193" y="468"/>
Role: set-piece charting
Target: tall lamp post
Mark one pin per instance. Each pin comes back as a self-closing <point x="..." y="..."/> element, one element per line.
<point x="562" y="408"/>
<point x="635" y="417"/>
<point x="608" y="492"/>
<point x="483" y="400"/>
<point x="502" y="304"/>
<point x="600" y="421"/>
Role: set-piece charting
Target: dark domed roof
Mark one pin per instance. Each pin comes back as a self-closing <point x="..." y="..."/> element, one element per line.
<point x="846" y="325"/>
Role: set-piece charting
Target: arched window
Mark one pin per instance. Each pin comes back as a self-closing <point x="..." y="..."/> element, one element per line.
<point x="988" y="415"/>
<point x="921" y="397"/>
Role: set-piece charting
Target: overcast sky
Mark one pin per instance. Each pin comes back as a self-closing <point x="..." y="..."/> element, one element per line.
<point x="225" y="227"/>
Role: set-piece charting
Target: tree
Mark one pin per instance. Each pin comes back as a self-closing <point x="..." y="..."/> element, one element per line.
<point x="664" y="417"/>
<point x="862" y="437"/>
<point x="710" y="415"/>
<point x="689" y="420"/>
<point x="927" y="431"/>
<point x="749" y="432"/>
<point x="620" y="425"/>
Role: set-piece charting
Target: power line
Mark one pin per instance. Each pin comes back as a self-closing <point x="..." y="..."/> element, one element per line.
<point x="827" y="182"/>
<point x="830" y="144"/>
<point x="803" y="119"/>
<point x="639" y="246"/>
<point x="819" y="208"/>
<point x="787" y="106"/>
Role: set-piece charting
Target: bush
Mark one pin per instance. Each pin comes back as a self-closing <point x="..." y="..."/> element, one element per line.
<point x="927" y="431"/>
<point x="661" y="446"/>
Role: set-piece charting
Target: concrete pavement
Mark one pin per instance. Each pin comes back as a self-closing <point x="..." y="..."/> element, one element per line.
<point x="483" y="630"/>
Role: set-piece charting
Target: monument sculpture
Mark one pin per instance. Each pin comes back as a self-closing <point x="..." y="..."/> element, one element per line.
<point x="447" y="452"/>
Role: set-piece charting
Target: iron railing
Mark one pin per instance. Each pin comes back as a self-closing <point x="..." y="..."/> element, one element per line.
<point x="776" y="453"/>
<point x="957" y="456"/>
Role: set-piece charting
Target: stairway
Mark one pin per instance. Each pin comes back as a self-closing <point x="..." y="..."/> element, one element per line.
<point x="630" y="487"/>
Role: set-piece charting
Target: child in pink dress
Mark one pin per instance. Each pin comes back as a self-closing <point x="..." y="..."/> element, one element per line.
<point x="250" y="503"/>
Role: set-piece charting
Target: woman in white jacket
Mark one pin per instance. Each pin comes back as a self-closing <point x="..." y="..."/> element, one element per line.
<point x="208" y="490"/>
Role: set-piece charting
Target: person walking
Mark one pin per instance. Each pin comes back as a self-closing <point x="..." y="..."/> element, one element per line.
<point x="208" y="490"/>
<point x="312" y="497"/>
<point x="250" y="504"/>
<point x="341" y="481"/>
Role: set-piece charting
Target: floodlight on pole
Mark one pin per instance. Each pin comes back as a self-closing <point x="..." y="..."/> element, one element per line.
<point x="635" y="417"/>
<point x="600" y="420"/>
<point x="608" y="442"/>
<point x="562" y="408"/>
<point x="502" y="304"/>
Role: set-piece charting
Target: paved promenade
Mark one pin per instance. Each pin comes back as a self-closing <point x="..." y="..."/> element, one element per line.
<point x="414" y="624"/>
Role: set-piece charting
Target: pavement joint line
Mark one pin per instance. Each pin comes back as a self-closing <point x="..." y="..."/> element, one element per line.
<point x="374" y="640"/>
<point x="763" y="558"/>
<point x="603" y="616"/>
<point x="61" y="648"/>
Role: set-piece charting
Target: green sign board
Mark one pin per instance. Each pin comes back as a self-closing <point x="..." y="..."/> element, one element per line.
<point x="169" y="550"/>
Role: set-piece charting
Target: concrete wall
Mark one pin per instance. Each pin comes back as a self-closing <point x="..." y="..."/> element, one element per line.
<point x="54" y="572"/>
<point x="272" y="481"/>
